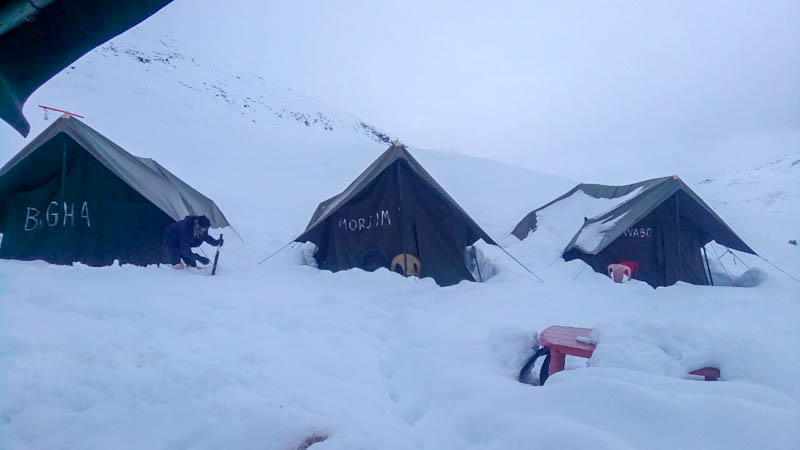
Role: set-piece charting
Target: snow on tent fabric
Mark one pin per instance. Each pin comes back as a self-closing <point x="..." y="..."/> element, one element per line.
<point x="39" y="39"/>
<point x="72" y="195"/>
<point x="659" y="224"/>
<point x="395" y="215"/>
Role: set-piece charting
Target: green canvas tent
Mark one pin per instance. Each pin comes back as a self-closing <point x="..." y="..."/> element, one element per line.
<point x="72" y="195"/>
<point x="395" y="215"/>
<point x="661" y="225"/>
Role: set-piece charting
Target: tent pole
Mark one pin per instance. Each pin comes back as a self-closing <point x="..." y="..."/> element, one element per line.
<point x="63" y="168"/>
<point x="402" y="222"/>
<point x="719" y="260"/>
<point x="63" y="183"/>
<point x="705" y="255"/>
<point x="478" y="266"/>
<point x="678" y="235"/>
<point x="237" y="234"/>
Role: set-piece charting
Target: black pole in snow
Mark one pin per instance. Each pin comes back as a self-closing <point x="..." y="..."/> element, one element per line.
<point x="216" y="258"/>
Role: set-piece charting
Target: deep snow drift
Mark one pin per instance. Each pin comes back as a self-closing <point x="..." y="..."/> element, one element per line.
<point x="263" y="356"/>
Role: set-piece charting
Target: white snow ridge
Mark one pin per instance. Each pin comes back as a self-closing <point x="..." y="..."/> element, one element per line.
<point x="282" y="355"/>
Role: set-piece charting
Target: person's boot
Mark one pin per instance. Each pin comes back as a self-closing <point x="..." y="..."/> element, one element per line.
<point x="179" y="266"/>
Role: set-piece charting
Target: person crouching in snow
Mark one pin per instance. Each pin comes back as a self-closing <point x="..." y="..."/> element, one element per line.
<point x="181" y="236"/>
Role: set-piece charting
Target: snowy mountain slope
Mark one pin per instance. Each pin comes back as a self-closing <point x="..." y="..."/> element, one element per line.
<point x="772" y="187"/>
<point x="763" y="205"/>
<point x="263" y="356"/>
<point x="231" y="134"/>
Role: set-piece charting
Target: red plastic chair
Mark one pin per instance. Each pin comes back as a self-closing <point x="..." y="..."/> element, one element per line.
<point x="634" y="268"/>
<point x="618" y="272"/>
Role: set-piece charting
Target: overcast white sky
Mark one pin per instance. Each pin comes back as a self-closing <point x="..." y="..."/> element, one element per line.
<point x="601" y="90"/>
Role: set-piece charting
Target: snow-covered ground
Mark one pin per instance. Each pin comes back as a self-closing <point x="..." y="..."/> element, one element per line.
<point x="264" y="356"/>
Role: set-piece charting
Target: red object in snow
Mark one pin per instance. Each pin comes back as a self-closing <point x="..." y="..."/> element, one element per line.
<point x="619" y="271"/>
<point x="634" y="268"/>
<point x="563" y="341"/>
<point x="61" y="111"/>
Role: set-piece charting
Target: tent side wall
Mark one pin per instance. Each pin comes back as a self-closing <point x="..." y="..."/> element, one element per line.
<point x="86" y="215"/>
<point x="436" y="232"/>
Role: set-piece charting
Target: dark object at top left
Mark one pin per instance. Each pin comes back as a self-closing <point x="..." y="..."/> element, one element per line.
<point x="39" y="38"/>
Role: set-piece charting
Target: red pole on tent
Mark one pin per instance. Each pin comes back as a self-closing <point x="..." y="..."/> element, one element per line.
<point x="61" y="111"/>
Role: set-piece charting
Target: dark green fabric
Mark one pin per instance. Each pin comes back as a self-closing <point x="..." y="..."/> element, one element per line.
<point x="166" y="191"/>
<point x="528" y="223"/>
<point x="627" y="214"/>
<point x="394" y="207"/>
<point x="662" y="226"/>
<point x="59" y="34"/>
<point x="72" y="195"/>
<point x="665" y="245"/>
<point x="92" y="217"/>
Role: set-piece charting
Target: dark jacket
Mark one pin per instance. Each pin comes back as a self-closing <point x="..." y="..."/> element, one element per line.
<point x="180" y="236"/>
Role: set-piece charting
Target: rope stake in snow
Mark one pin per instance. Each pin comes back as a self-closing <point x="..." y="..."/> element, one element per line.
<point x="518" y="262"/>
<point x="276" y="251"/>
<point x="580" y="272"/>
<point x="783" y="271"/>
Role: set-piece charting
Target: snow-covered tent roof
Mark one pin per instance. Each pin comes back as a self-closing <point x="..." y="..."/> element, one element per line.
<point x="395" y="152"/>
<point x="634" y="202"/>
<point x="162" y="188"/>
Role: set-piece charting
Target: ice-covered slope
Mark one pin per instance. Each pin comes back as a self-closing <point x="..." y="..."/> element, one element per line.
<point x="264" y="356"/>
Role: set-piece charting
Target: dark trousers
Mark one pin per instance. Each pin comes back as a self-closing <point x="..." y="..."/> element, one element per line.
<point x="175" y="256"/>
